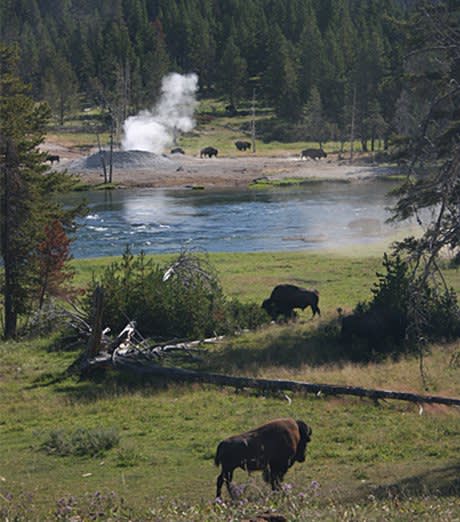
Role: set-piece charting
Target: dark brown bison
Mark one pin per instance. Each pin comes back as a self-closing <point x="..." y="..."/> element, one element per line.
<point x="242" y="145"/>
<point x="284" y="298"/>
<point x="313" y="154"/>
<point x="177" y="150"/>
<point x="272" y="448"/>
<point x="52" y="158"/>
<point x="209" y="152"/>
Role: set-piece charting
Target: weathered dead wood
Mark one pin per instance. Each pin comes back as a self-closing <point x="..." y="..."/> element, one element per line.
<point x="126" y="356"/>
<point x="94" y="342"/>
<point x="179" y="374"/>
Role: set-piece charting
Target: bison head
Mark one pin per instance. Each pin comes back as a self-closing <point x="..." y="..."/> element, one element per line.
<point x="305" y="438"/>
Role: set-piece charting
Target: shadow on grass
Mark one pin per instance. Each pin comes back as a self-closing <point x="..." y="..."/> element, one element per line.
<point x="288" y="346"/>
<point x="109" y="384"/>
<point x="444" y="482"/>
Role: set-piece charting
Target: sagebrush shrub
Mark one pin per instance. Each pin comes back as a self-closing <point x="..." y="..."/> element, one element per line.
<point x="81" y="442"/>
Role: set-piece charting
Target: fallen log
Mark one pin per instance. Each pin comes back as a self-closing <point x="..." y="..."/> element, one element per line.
<point x="123" y="355"/>
<point x="179" y="374"/>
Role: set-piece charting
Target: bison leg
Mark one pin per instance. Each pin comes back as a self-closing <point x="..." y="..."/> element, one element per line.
<point x="277" y="472"/>
<point x="228" y="476"/>
<point x="220" y="481"/>
<point x="315" y="309"/>
<point x="225" y="476"/>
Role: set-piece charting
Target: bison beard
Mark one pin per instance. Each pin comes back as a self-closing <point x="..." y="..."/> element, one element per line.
<point x="272" y="448"/>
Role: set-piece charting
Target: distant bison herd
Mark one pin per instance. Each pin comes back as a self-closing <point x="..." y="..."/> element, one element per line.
<point x="209" y="152"/>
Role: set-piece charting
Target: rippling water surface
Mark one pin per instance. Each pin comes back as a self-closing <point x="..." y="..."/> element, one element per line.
<point x="317" y="215"/>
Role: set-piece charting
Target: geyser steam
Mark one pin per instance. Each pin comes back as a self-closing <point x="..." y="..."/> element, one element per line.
<point x="154" y="130"/>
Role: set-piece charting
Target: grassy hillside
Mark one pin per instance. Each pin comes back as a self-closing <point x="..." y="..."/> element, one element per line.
<point x="366" y="461"/>
<point x="213" y="128"/>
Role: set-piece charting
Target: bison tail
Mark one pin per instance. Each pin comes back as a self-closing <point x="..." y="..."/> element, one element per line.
<point x="217" y="458"/>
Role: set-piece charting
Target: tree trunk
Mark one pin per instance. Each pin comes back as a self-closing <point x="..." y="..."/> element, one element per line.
<point x="10" y="315"/>
<point x="94" y="342"/>
<point x="138" y="366"/>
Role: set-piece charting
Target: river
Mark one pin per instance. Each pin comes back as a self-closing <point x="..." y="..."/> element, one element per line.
<point x="315" y="215"/>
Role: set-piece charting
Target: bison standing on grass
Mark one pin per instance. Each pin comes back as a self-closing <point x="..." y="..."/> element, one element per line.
<point x="284" y="298"/>
<point x="209" y="152"/>
<point x="272" y="448"/>
<point x="242" y="145"/>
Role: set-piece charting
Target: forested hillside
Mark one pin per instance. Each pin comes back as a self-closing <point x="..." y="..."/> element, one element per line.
<point x="312" y="60"/>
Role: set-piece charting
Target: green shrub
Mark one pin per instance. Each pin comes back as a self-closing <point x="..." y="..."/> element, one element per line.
<point x="403" y="312"/>
<point x="182" y="300"/>
<point x="82" y="442"/>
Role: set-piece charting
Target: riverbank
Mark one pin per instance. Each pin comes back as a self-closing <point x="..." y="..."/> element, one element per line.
<point x="240" y="169"/>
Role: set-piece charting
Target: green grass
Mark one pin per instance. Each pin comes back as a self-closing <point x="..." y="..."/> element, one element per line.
<point x="363" y="456"/>
<point x="214" y="128"/>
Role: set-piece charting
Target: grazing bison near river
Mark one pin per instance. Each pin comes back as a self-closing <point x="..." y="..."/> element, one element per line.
<point x="284" y="298"/>
<point x="209" y="152"/>
<point x="242" y="145"/>
<point x="313" y="154"/>
<point x="272" y="448"/>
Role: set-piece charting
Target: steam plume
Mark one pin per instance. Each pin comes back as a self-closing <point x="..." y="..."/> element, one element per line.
<point x="154" y="130"/>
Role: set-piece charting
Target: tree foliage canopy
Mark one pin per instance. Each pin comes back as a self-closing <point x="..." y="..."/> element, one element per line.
<point x="283" y="48"/>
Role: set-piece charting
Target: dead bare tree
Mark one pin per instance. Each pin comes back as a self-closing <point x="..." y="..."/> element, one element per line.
<point x="431" y="192"/>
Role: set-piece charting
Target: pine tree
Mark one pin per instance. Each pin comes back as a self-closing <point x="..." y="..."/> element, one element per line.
<point x="26" y="190"/>
<point x="233" y="72"/>
<point x="431" y="192"/>
<point x="315" y="124"/>
<point x="311" y="56"/>
<point x="281" y="78"/>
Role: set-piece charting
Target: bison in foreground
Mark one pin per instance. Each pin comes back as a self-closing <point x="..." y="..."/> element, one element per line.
<point x="243" y="145"/>
<point x="272" y="448"/>
<point x="313" y="154"/>
<point x="284" y="298"/>
<point x="209" y="152"/>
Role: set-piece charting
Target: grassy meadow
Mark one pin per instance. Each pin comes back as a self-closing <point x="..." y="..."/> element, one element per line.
<point x="115" y="448"/>
<point x="214" y="127"/>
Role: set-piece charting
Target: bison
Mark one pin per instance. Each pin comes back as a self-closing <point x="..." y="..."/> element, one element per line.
<point x="284" y="298"/>
<point x="242" y="145"/>
<point x="271" y="448"/>
<point x="52" y="158"/>
<point x="313" y="154"/>
<point x="209" y="152"/>
<point x="177" y="150"/>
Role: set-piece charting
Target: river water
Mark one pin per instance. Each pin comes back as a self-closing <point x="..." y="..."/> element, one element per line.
<point x="313" y="216"/>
